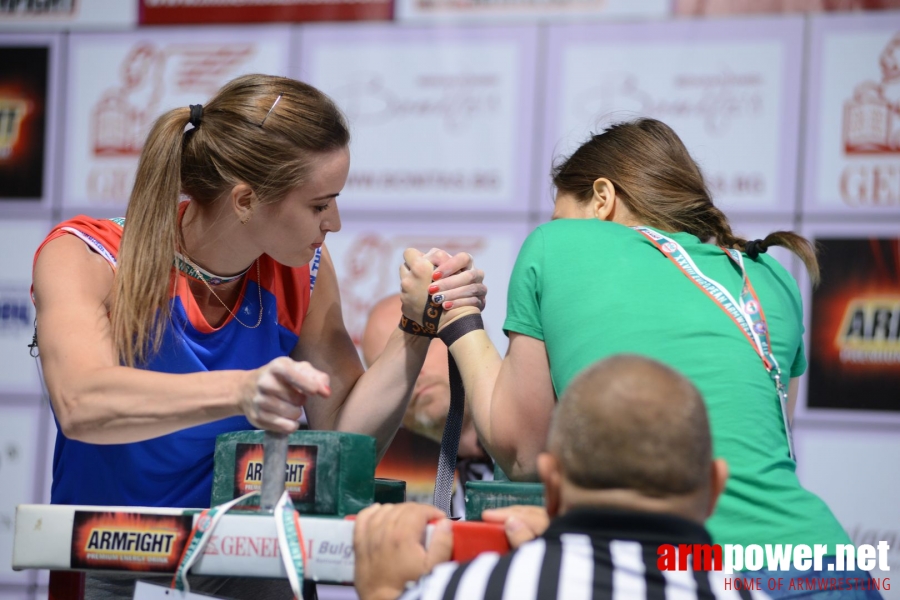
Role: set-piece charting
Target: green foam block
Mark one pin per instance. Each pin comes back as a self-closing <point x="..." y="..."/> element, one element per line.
<point x="482" y="495"/>
<point x="327" y="473"/>
<point x="390" y="491"/>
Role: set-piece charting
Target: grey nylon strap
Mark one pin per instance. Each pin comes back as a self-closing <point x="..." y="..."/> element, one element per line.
<point x="443" y="485"/>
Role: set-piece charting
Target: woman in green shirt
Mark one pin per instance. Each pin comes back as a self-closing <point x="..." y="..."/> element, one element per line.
<point x="638" y="259"/>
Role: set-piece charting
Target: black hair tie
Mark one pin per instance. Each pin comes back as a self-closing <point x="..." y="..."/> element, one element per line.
<point x="755" y="247"/>
<point x="196" y="115"/>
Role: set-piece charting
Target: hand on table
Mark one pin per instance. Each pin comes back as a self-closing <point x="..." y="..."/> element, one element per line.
<point x="389" y="544"/>
<point x="522" y="523"/>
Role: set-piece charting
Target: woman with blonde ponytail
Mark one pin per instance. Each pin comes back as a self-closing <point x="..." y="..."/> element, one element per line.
<point x="213" y="306"/>
<point x="638" y="260"/>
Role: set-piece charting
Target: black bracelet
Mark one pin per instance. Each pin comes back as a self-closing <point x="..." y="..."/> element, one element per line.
<point x="411" y="327"/>
<point x="430" y="320"/>
<point x="461" y="327"/>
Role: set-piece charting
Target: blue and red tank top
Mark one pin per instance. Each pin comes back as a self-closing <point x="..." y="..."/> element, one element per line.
<point x="176" y="469"/>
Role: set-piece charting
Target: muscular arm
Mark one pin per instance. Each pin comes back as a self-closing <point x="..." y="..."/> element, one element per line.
<point x="511" y="399"/>
<point x="371" y="402"/>
<point x="95" y="399"/>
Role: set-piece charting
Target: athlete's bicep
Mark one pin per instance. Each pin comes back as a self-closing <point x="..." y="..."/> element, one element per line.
<point x="72" y="286"/>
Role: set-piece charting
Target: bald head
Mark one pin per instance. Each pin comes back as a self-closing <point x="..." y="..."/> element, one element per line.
<point x="631" y="423"/>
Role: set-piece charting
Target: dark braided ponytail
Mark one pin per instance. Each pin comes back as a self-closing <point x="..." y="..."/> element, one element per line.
<point x="661" y="185"/>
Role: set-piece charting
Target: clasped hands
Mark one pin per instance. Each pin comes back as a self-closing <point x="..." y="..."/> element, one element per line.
<point x="452" y="281"/>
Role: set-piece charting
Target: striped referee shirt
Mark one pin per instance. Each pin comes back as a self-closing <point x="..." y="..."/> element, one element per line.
<point x="585" y="554"/>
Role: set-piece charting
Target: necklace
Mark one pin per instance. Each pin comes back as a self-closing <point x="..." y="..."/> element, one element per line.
<point x="184" y="264"/>
<point x="197" y="269"/>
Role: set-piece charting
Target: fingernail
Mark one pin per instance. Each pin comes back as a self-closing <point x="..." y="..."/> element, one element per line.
<point x="433" y="289"/>
<point x="436" y="275"/>
<point x="438" y="298"/>
<point x="446" y="525"/>
<point x="448" y="305"/>
<point x="327" y="389"/>
<point x="513" y="524"/>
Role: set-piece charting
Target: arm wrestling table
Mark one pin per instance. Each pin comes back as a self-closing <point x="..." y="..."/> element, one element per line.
<point x="70" y="540"/>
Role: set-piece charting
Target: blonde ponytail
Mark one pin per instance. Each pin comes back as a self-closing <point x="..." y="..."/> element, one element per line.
<point x="140" y="306"/>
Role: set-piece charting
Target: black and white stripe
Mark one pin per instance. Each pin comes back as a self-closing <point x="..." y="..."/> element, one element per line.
<point x="573" y="567"/>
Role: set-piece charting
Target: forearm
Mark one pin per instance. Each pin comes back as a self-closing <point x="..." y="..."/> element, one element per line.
<point x="511" y="400"/>
<point x="518" y="432"/>
<point x="377" y="402"/>
<point x="479" y="364"/>
<point x="117" y="405"/>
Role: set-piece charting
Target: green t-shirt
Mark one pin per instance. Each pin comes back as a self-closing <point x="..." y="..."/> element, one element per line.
<point x="590" y="289"/>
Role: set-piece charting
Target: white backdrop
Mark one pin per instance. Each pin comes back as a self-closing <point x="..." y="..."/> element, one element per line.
<point x="455" y="103"/>
<point x="18" y="241"/>
<point x="729" y="89"/>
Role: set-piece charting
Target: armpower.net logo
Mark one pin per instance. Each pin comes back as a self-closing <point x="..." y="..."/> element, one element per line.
<point x="740" y="565"/>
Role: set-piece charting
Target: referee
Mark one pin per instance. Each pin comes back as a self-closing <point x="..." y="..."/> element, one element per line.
<point x="629" y="467"/>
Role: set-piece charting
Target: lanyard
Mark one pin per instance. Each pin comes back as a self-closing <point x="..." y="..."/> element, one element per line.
<point x="198" y="540"/>
<point x="746" y="312"/>
<point x="290" y="541"/>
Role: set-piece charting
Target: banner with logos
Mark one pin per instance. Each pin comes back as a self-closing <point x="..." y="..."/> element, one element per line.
<point x="853" y="328"/>
<point x="853" y="122"/>
<point x="18" y="241"/>
<point x="367" y="256"/>
<point x="67" y="14"/>
<point x="172" y="12"/>
<point x="119" y="84"/>
<point x="517" y="10"/>
<point x="28" y="115"/>
<point x="441" y="118"/>
<point x="729" y="89"/>
<point x="20" y="472"/>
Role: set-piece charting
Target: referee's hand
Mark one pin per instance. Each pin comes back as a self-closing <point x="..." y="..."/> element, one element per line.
<point x="389" y="544"/>
<point x="521" y="523"/>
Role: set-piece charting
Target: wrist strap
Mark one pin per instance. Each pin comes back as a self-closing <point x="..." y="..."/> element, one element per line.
<point x="443" y="483"/>
<point x="460" y="327"/>
<point x="430" y="320"/>
<point x="413" y="328"/>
